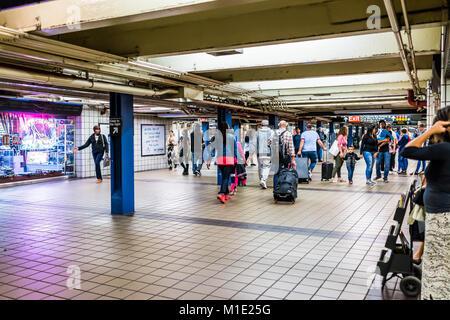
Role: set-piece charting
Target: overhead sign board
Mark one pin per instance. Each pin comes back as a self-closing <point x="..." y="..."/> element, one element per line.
<point x="354" y="119"/>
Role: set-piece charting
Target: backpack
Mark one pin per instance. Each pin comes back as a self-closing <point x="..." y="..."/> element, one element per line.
<point x="283" y="150"/>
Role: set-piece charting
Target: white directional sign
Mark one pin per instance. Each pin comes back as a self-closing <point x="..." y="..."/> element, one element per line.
<point x="115" y="127"/>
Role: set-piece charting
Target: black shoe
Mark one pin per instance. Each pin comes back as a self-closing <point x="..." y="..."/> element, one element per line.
<point x="377" y="178"/>
<point x="253" y="165"/>
<point x="199" y="173"/>
<point x="385" y="180"/>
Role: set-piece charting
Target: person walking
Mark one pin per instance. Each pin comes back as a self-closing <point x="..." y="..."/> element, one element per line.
<point x="350" y="158"/>
<point x="436" y="255"/>
<point x="308" y="147"/>
<point x="402" y="161"/>
<point x="263" y="152"/>
<point x="384" y="137"/>
<point x="184" y="151"/>
<point x="393" y="146"/>
<point x="171" y="150"/>
<point x="197" y="145"/>
<point x="226" y="151"/>
<point x="296" y="138"/>
<point x="421" y="130"/>
<point x="100" y="146"/>
<point x="339" y="158"/>
<point x="323" y="138"/>
<point x="286" y="153"/>
<point x="369" y="146"/>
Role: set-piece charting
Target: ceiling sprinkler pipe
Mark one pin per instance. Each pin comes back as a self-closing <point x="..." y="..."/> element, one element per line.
<point x="413" y="102"/>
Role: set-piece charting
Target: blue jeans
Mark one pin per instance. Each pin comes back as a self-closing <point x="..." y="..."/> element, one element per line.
<point x="370" y="161"/>
<point x="197" y="162"/>
<point x="350" y="171"/>
<point x="386" y="156"/>
<point x="97" y="160"/>
<point x="320" y="152"/>
<point x="312" y="156"/>
<point x="402" y="163"/>
<point x="421" y="162"/>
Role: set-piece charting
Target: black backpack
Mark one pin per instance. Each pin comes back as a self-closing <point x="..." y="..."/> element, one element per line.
<point x="286" y="187"/>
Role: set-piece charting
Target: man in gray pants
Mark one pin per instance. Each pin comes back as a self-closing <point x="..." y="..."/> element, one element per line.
<point x="263" y="152"/>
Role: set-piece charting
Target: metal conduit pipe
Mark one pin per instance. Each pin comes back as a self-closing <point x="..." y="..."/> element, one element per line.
<point x="395" y="28"/>
<point x="410" y="43"/>
<point x="31" y="76"/>
<point x="49" y="45"/>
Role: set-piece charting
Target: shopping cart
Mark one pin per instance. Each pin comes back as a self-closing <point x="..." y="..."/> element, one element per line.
<point x="397" y="257"/>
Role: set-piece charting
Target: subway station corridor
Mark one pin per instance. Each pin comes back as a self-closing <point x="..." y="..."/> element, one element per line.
<point x="183" y="244"/>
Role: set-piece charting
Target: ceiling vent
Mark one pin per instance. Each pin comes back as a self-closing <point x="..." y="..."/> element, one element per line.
<point x="226" y="52"/>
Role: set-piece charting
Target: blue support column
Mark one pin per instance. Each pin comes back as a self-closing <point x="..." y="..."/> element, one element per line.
<point x="318" y="124"/>
<point x="302" y="125"/>
<point x="205" y="126"/>
<point x="222" y="115"/>
<point x="331" y="135"/>
<point x="350" y="136"/>
<point x="237" y="131"/>
<point x="122" y="156"/>
<point x="273" y="121"/>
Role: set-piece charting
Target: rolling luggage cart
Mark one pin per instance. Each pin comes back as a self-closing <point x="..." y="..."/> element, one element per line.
<point x="397" y="257"/>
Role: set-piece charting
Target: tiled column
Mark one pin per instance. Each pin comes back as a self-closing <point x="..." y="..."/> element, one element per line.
<point x="302" y="125"/>
<point x="273" y="121"/>
<point x="350" y="136"/>
<point x="122" y="156"/>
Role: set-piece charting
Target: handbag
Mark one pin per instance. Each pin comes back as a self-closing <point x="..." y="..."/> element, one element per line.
<point x="417" y="214"/>
<point x="106" y="162"/>
<point x="334" y="150"/>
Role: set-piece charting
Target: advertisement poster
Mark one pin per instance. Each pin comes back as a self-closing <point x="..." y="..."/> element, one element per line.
<point x="153" y="140"/>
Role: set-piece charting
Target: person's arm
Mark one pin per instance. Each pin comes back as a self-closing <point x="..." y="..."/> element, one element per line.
<point x="106" y="144"/>
<point x="84" y="146"/>
<point x="302" y="142"/>
<point x="415" y="150"/>
<point x="321" y="144"/>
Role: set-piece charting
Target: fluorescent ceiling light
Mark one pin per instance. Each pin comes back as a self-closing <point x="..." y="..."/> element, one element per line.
<point x="311" y="51"/>
<point x="366" y="111"/>
<point x="345" y="80"/>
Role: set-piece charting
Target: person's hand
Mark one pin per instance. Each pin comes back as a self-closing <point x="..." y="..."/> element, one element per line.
<point x="361" y="156"/>
<point x="440" y="127"/>
<point x="75" y="149"/>
<point x="299" y="154"/>
<point x="324" y="149"/>
<point x="293" y="164"/>
<point x="107" y="154"/>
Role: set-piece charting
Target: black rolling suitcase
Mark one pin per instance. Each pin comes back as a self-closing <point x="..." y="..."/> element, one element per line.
<point x="327" y="168"/>
<point x="286" y="188"/>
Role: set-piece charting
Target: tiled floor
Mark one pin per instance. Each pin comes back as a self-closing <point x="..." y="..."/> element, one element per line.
<point x="183" y="244"/>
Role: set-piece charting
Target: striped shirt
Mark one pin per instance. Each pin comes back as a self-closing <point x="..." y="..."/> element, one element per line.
<point x="287" y="137"/>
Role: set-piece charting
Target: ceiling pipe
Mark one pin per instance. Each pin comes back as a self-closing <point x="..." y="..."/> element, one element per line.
<point x="31" y="76"/>
<point x="395" y="28"/>
<point x="410" y="43"/>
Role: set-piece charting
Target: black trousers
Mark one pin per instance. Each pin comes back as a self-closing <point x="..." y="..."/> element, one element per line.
<point x="226" y="171"/>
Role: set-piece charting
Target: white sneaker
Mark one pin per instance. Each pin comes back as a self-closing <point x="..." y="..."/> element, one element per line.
<point x="263" y="184"/>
